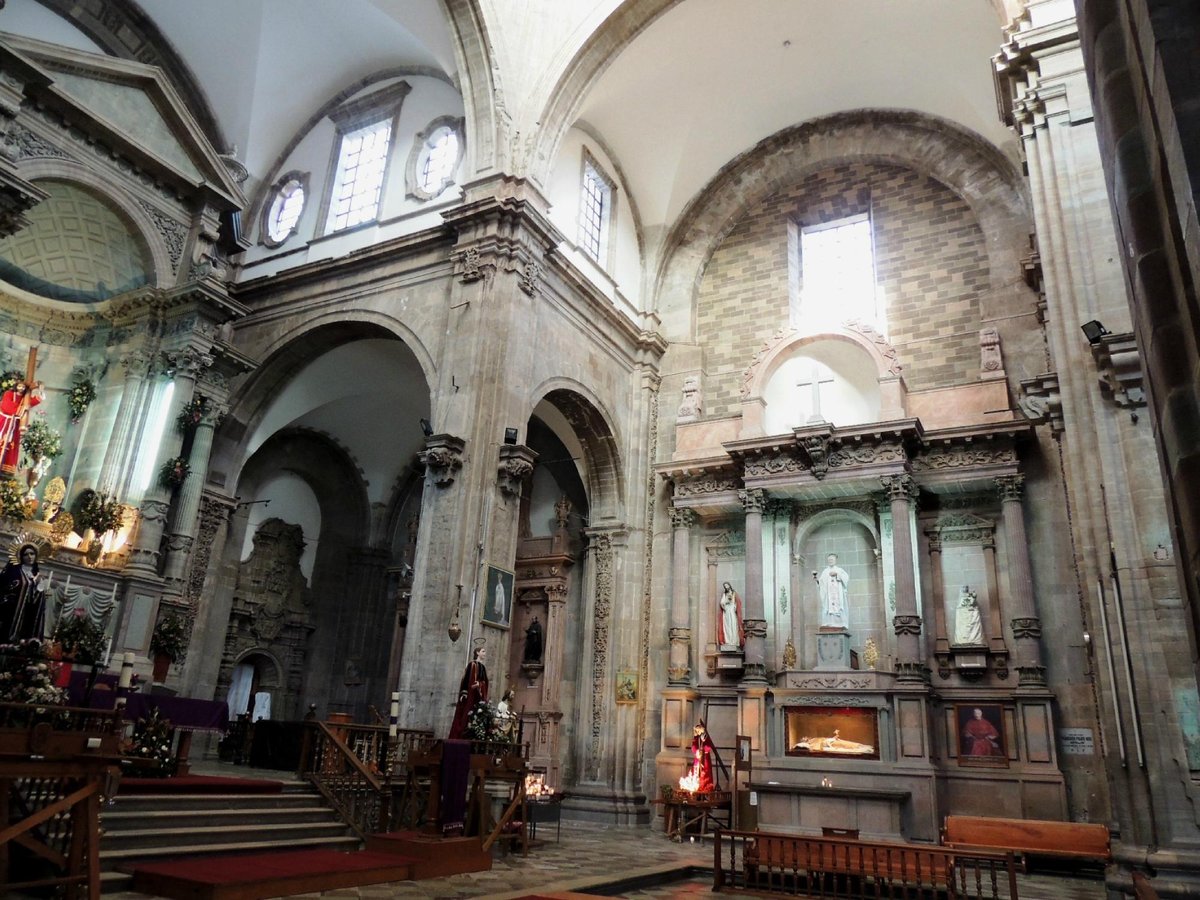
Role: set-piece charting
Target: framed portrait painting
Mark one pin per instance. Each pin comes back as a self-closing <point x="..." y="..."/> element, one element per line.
<point x="627" y="686"/>
<point x="980" y="734"/>
<point x="498" y="597"/>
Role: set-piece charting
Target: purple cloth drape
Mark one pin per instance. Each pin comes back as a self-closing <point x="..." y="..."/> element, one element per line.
<point x="456" y="768"/>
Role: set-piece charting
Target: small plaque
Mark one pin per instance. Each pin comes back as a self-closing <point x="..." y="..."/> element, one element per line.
<point x="1077" y="741"/>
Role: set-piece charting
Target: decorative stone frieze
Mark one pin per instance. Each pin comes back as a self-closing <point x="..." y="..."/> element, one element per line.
<point x="1031" y="676"/>
<point x="1027" y="627"/>
<point x="516" y="465"/>
<point x="962" y="528"/>
<point x="963" y="458"/>
<point x="442" y="458"/>
<point x="907" y="625"/>
<point x="173" y="232"/>
<point x="834" y="683"/>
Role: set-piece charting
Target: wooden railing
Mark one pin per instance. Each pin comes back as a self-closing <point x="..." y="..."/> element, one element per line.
<point x="56" y="763"/>
<point x="352" y="767"/>
<point x="828" y="867"/>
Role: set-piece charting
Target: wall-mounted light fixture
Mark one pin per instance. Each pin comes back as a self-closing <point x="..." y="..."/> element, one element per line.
<point x="510" y="436"/>
<point x="426" y="428"/>
<point x="1094" y="331"/>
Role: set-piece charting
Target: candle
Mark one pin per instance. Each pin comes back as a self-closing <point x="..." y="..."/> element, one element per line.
<point x="394" y="715"/>
<point x="126" y="679"/>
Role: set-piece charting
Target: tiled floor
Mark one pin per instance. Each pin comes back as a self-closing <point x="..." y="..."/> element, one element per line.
<point x="589" y="855"/>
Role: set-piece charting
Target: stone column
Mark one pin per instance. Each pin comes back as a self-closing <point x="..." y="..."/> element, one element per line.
<point x="910" y="664"/>
<point x="754" y="621"/>
<point x="1026" y="626"/>
<point x="121" y="448"/>
<point x="187" y="365"/>
<point x="187" y="504"/>
<point x="941" y="628"/>
<point x="679" y="669"/>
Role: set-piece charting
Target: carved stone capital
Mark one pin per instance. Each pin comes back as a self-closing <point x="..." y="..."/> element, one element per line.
<point x="911" y="671"/>
<point x="442" y="458"/>
<point x="1027" y="627"/>
<point x="516" y="465"/>
<point x="1031" y="676"/>
<point x="755" y="627"/>
<point x="900" y="487"/>
<point x="136" y="364"/>
<point x="154" y="510"/>
<point x="780" y="508"/>
<point x="682" y="518"/>
<point x="679" y="674"/>
<point x="753" y="500"/>
<point x="907" y="624"/>
<point x="756" y="672"/>
<point x="1011" y="487"/>
<point x="186" y="363"/>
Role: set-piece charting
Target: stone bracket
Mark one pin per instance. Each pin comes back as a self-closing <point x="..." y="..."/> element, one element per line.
<point x="443" y="457"/>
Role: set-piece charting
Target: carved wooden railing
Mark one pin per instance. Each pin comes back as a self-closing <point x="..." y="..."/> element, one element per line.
<point x="56" y="763"/>
<point x="834" y="867"/>
<point x="352" y="765"/>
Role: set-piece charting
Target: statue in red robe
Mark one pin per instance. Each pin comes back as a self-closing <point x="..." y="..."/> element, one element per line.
<point x="15" y="404"/>
<point x="702" y="758"/>
<point x="471" y="690"/>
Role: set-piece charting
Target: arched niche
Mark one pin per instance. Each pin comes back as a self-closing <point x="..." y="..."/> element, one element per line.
<point x="857" y="370"/>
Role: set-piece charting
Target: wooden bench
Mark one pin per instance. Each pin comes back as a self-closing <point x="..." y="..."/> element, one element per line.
<point x="1037" y="837"/>
<point x="845" y="866"/>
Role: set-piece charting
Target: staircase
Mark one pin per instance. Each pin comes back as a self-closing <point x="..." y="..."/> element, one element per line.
<point x="162" y="826"/>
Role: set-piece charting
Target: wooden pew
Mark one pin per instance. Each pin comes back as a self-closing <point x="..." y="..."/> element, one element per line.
<point x="1038" y="837"/>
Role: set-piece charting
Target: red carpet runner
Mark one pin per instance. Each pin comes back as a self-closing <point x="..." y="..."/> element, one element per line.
<point x="259" y="875"/>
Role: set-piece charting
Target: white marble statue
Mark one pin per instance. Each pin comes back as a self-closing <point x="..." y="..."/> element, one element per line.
<point x="833" y="583"/>
<point x="968" y="624"/>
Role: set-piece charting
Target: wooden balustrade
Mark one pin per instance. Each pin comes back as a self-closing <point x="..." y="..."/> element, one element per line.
<point x="840" y="867"/>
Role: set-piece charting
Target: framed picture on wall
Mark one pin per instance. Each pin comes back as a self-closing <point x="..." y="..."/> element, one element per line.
<point x="743" y="751"/>
<point x="627" y="686"/>
<point x="498" y="597"/>
<point x="980" y="734"/>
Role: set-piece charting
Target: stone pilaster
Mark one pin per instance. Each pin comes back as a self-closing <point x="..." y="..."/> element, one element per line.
<point x="910" y="663"/>
<point x="755" y="623"/>
<point x="679" y="665"/>
<point x="187" y="504"/>
<point x="1026" y="625"/>
<point x="121" y="448"/>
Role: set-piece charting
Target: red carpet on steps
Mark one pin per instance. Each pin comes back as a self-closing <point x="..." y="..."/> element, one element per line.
<point x="199" y="784"/>
<point x="258" y="875"/>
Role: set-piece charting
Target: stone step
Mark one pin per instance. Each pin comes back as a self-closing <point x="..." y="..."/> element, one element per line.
<point x="121" y="820"/>
<point x="187" y="835"/>
<point x="149" y="802"/>
<point x="112" y="858"/>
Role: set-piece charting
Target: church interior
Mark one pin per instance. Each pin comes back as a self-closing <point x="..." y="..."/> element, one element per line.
<point x="811" y="385"/>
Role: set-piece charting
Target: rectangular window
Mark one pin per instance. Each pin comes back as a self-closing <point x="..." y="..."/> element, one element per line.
<point x="837" y="265"/>
<point x="358" y="183"/>
<point x="595" y="211"/>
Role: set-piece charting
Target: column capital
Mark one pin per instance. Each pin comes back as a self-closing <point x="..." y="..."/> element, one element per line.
<point x="443" y="457"/>
<point x="907" y="624"/>
<point x="1010" y="487"/>
<point x="754" y="500"/>
<point x="682" y="518"/>
<point x="1027" y="627"/>
<point x="516" y="465"/>
<point x="900" y="487"/>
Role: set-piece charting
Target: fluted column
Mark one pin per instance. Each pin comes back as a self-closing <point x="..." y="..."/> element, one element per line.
<point x="910" y="664"/>
<point x="121" y="447"/>
<point x="1026" y="625"/>
<point x="187" y="365"/>
<point x="679" y="664"/>
<point x="187" y="504"/>
<point x="754" y="621"/>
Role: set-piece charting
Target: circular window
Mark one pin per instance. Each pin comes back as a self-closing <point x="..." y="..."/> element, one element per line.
<point x="434" y="158"/>
<point x="286" y="206"/>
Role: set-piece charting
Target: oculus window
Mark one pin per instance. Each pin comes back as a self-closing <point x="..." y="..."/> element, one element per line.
<point x="837" y="270"/>
<point x="286" y="206"/>
<point x="435" y="156"/>
<point x="595" y="210"/>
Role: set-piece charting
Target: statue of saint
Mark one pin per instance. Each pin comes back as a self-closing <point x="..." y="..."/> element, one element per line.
<point x="22" y="598"/>
<point x="833" y="583"/>
<point x="15" y="404"/>
<point x="730" y="633"/>
<point x="472" y="689"/>
<point x="533" y="642"/>
<point x="968" y="624"/>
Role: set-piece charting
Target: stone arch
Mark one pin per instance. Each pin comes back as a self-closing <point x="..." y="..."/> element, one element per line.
<point x="788" y="342"/>
<point x="482" y="93"/>
<point x="165" y="251"/>
<point x="593" y="427"/>
<point x="961" y="160"/>
<point x="807" y="526"/>
<point x="285" y="354"/>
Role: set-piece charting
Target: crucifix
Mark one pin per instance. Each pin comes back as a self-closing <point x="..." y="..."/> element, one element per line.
<point x="15" y="404"/>
<point x="820" y="375"/>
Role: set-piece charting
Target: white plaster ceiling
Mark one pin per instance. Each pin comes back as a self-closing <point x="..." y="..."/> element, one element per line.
<point x="710" y="78"/>
<point x="267" y="65"/>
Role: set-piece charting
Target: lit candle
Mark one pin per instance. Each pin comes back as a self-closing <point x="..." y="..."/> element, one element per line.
<point x="126" y="680"/>
<point x="394" y="715"/>
<point x="67" y="585"/>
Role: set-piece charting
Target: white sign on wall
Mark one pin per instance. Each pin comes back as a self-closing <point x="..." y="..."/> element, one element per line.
<point x="1077" y="741"/>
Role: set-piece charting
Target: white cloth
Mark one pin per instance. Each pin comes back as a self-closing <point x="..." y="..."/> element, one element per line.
<point x="238" y="697"/>
<point x="262" y="706"/>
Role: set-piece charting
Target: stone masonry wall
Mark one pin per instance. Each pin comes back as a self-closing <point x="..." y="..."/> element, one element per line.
<point x="930" y="259"/>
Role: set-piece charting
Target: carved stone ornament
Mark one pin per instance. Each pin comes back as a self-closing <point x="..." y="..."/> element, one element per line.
<point x="816" y="447"/>
<point x="681" y="634"/>
<point x="682" y="518"/>
<point x="833" y="683"/>
<point x="1031" y="676"/>
<point x="907" y="624"/>
<point x="961" y="528"/>
<point x="1011" y="488"/>
<point x="516" y="465"/>
<point x="753" y="500"/>
<point x="850" y="457"/>
<point x="755" y="627"/>
<point x="1041" y="401"/>
<point x="529" y="278"/>
<point x="443" y="458"/>
<point x="706" y="484"/>
<point x="1027" y="627"/>
<point x="911" y="671"/>
<point x="900" y="487"/>
<point x="991" y="364"/>
<point x="692" y="404"/>
<point x="679" y="674"/>
<point x="963" y="458"/>
<point x="782" y="463"/>
<point x="1120" y="368"/>
<point x="471" y="266"/>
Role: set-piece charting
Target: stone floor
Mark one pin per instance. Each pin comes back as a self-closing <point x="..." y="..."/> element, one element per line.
<point x="590" y="855"/>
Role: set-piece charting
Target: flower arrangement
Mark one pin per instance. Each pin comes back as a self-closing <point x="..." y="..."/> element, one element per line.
<point x="99" y="512"/>
<point x="10" y="379"/>
<point x="80" y="638"/>
<point x="27" y="676"/>
<point x="173" y="472"/>
<point x="40" y="441"/>
<point x="12" y="500"/>
<point x="190" y="415"/>
<point x="480" y="722"/>
<point x="82" y="393"/>
<point x="170" y="637"/>
<point x="151" y="746"/>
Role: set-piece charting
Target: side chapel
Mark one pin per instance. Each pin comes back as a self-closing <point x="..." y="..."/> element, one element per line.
<point x="839" y="415"/>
